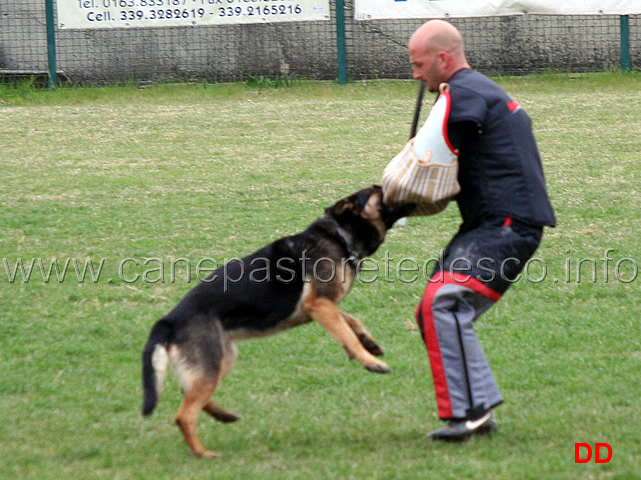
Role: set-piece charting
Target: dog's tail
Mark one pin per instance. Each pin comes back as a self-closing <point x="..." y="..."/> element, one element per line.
<point x="155" y="360"/>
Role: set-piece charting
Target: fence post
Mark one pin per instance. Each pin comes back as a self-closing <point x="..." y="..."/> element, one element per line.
<point x="51" y="45"/>
<point x="341" y="47"/>
<point x="625" y="43"/>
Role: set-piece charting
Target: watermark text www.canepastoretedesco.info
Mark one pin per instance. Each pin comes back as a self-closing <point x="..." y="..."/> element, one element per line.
<point x="568" y="269"/>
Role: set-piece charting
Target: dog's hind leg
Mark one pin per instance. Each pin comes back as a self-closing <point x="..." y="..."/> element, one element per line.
<point x="199" y="363"/>
<point x="363" y="335"/>
<point x="229" y="358"/>
<point x="196" y="399"/>
<point x="326" y="313"/>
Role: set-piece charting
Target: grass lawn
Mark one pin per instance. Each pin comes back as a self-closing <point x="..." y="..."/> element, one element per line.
<point x="152" y="184"/>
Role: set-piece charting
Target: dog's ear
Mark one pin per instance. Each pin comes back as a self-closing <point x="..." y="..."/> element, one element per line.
<point x="354" y="203"/>
<point x="340" y="207"/>
<point x="361" y="198"/>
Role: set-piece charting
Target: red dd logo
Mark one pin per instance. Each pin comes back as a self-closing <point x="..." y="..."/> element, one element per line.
<point x="588" y="452"/>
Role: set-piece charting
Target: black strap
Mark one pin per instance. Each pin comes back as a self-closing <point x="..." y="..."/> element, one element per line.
<point x="417" y="110"/>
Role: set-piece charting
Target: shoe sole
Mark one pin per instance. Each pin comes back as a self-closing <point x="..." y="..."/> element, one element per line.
<point x="485" y="430"/>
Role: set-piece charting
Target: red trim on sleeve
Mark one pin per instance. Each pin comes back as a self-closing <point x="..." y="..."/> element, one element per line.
<point x="513" y="106"/>
<point x="446" y="118"/>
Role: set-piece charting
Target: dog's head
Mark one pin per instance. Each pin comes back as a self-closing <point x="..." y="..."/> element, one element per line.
<point x="366" y="217"/>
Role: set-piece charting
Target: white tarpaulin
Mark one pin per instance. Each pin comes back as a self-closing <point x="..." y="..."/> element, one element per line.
<point x="385" y="9"/>
<point x="84" y="14"/>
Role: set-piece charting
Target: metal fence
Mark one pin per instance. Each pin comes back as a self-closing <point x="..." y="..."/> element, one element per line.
<point x="513" y="45"/>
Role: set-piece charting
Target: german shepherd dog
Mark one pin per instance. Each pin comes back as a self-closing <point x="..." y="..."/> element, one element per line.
<point x="290" y="282"/>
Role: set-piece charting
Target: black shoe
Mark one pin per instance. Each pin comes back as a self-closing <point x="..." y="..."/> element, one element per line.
<point x="461" y="430"/>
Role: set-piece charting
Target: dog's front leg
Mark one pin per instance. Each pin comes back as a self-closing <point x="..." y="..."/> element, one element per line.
<point x="363" y="335"/>
<point x="326" y="313"/>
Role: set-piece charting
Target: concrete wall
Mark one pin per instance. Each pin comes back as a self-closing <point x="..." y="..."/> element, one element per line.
<point x="500" y="45"/>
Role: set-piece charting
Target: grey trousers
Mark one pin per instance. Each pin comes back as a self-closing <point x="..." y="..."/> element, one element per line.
<point x="462" y="378"/>
<point x="455" y="297"/>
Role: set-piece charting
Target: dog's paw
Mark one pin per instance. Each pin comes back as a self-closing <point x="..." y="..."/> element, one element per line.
<point x="227" y="417"/>
<point x="209" y="454"/>
<point x="220" y="414"/>
<point x="380" y="367"/>
<point x="370" y="345"/>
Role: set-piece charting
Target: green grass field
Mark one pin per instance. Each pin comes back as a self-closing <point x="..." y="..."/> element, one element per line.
<point x="135" y="179"/>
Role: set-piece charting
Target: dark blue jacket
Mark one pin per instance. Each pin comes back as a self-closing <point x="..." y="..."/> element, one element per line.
<point x="500" y="170"/>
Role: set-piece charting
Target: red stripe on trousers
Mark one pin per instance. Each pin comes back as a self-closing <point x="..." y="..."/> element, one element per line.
<point x="429" y="330"/>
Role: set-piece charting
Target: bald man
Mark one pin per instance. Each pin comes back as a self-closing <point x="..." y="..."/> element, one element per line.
<point x="504" y="206"/>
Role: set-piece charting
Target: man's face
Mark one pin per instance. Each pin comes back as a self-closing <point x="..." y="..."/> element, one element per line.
<point x="426" y="66"/>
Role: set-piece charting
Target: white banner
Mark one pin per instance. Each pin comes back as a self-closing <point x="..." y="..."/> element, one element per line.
<point x="85" y="14"/>
<point x="388" y="9"/>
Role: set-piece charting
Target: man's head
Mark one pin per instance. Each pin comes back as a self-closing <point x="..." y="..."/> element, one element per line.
<point x="436" y="53"/>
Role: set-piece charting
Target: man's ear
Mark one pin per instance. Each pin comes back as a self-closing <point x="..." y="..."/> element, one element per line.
<point x="445" y="59"/>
